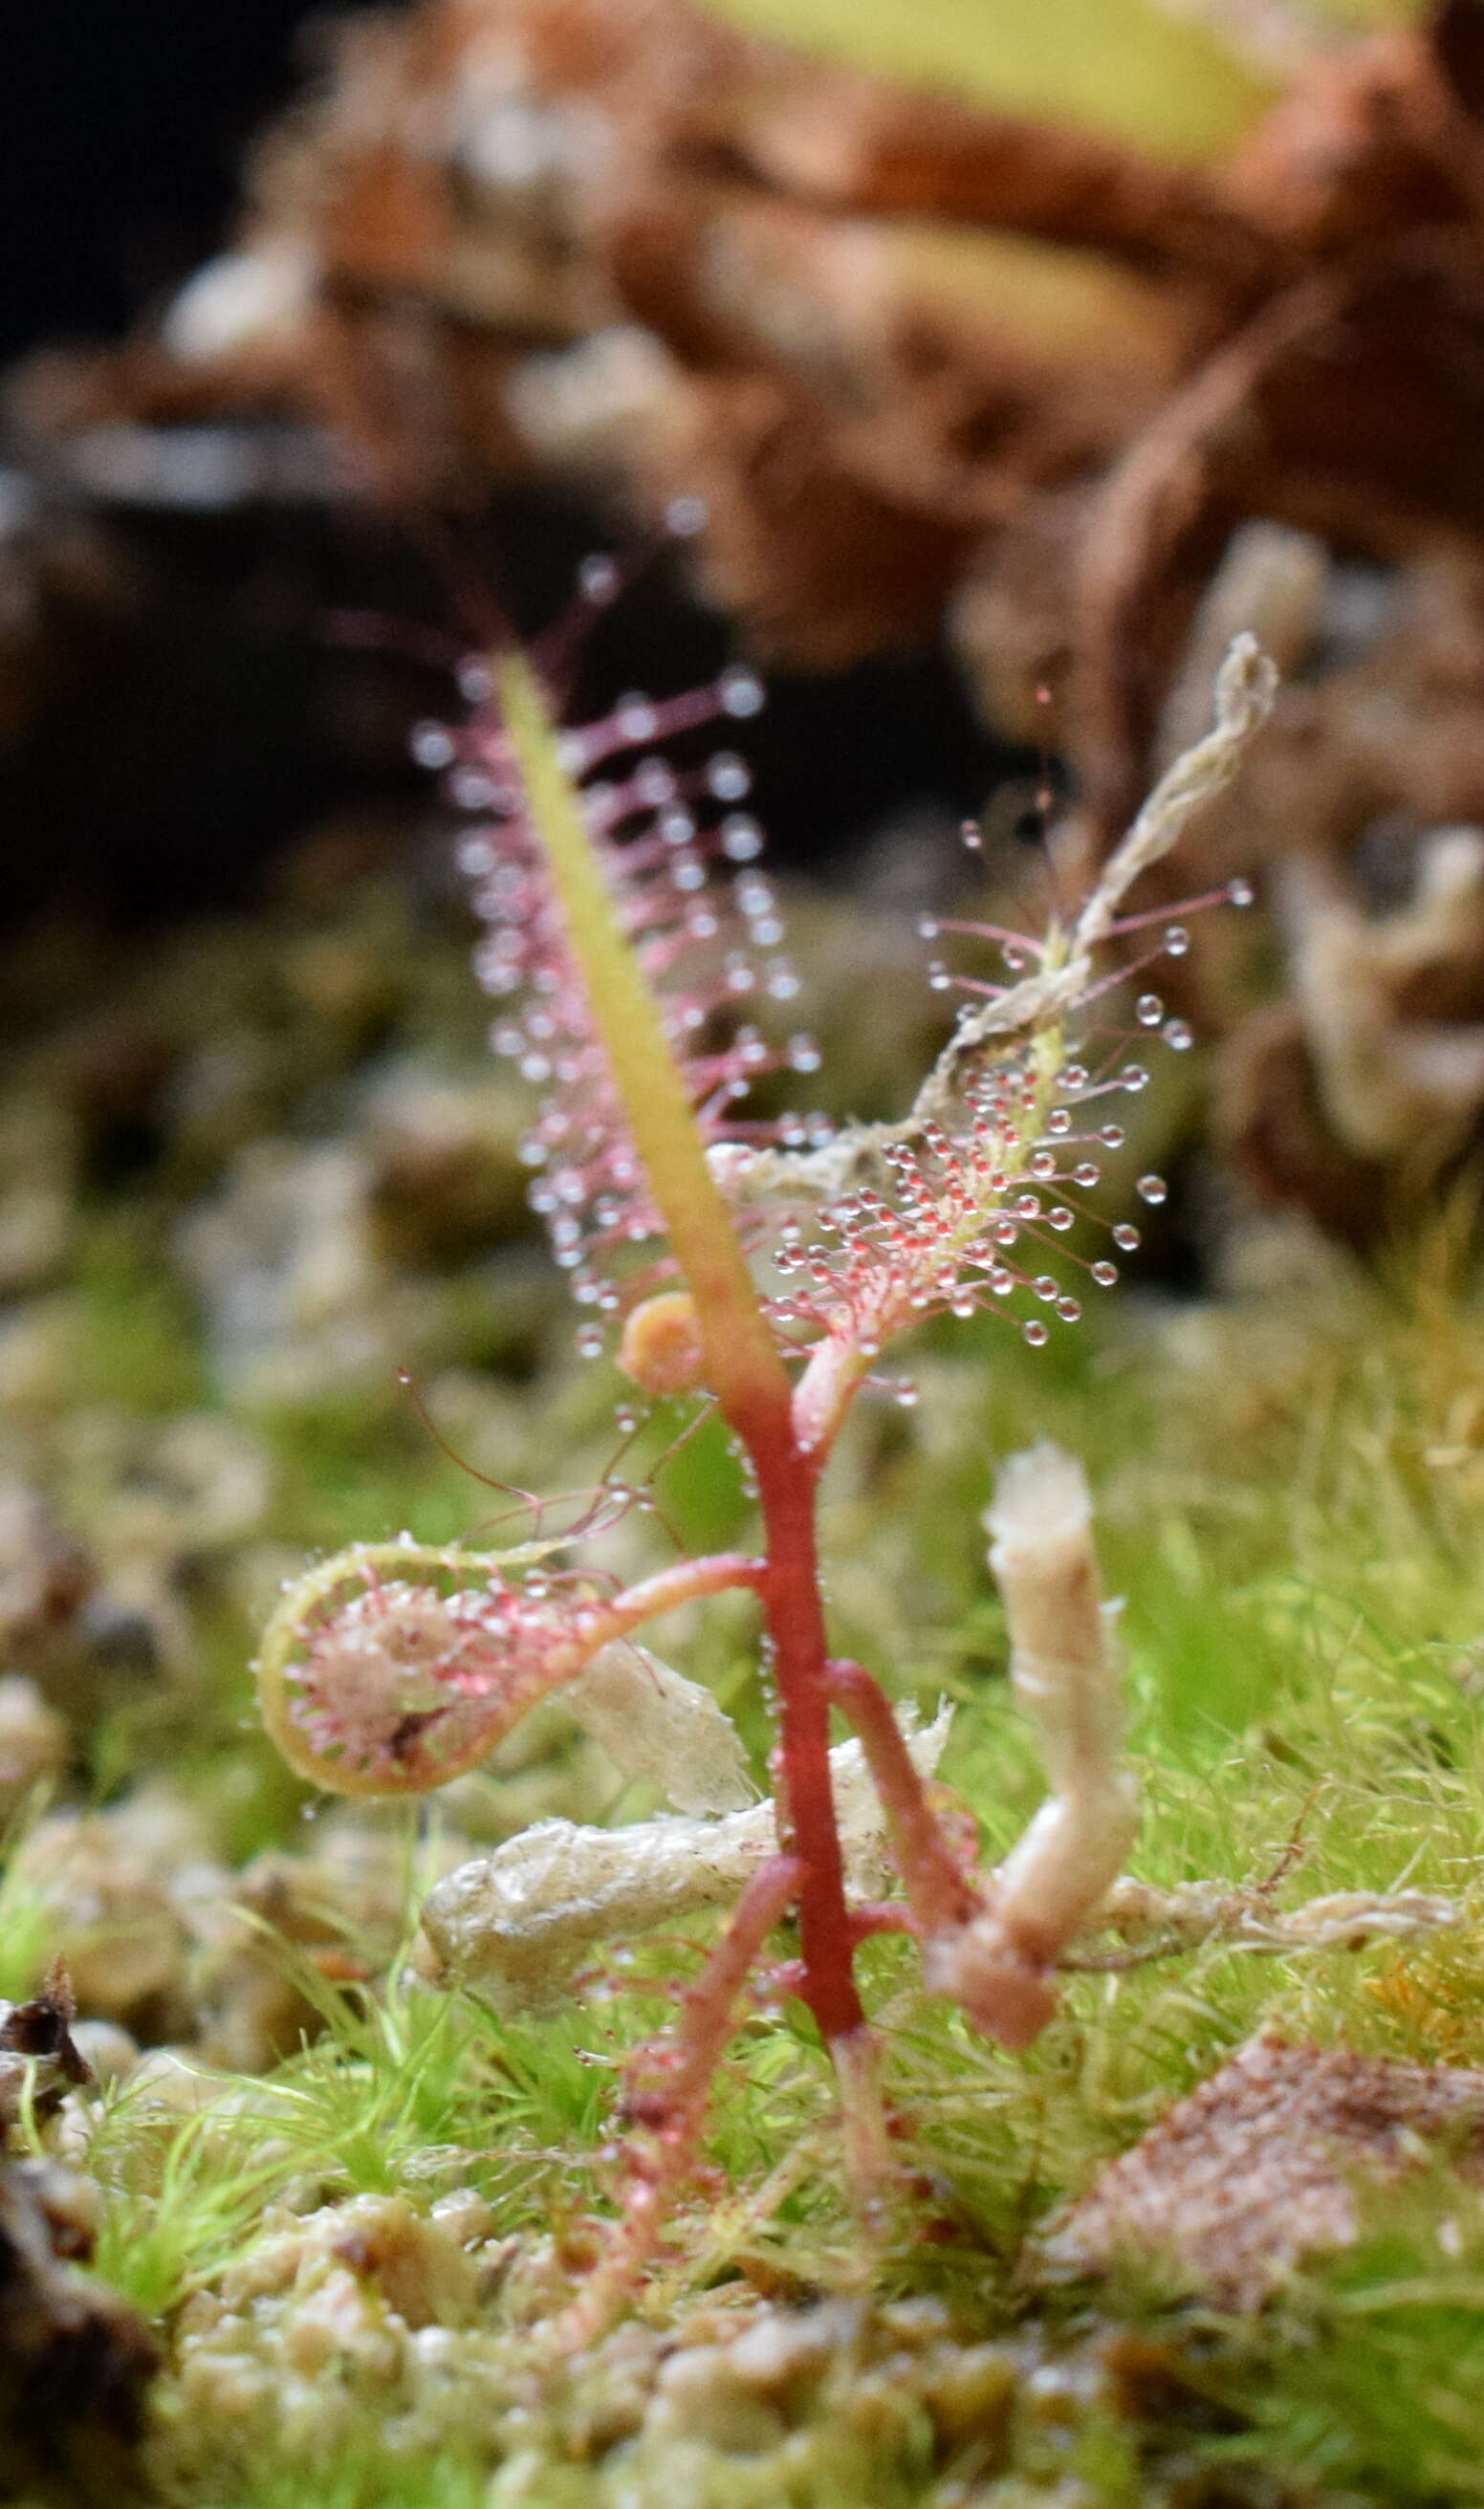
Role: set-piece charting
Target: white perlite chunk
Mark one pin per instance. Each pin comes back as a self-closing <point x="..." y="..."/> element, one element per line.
<point x="656" y="1724"/>
<point x="516" y="1925"/>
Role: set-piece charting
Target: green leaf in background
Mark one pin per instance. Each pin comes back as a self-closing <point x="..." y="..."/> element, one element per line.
<point x="1170" y="77"/>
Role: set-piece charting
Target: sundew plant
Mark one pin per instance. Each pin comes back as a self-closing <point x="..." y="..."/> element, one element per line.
<point x="762" y="1268"/>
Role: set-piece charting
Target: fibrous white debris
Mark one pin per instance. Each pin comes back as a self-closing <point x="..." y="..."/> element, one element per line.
<point x="1271" y="581"/>
<point x="1061" y="1884"/>
<point x="1066" y="1674"/>
<point x="1246" y="685"/>
<point x="242" y="302"/>
<point x="1391" y="1082"/>
<point x="1149" y="1922"/>
<point x="517" y="1924"/>
<point x="656" y="1724"/>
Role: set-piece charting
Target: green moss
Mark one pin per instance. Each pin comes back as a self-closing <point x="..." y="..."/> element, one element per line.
<point x="1366" y="2381"/>
<point x="1303" y="1596"/>
<point x="135" y="1339"/>
<point x="1289" y="1499"/>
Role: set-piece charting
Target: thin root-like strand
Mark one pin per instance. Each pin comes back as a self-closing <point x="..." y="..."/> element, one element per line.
<point x="869" y="2169"/>
<point x="668" y="2090"/>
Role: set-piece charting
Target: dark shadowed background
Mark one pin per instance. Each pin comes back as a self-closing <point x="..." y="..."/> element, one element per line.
<point x="184" y="711"/>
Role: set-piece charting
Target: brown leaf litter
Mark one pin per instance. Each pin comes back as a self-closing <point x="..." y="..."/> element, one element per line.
<point x="621" y="240"/>
<point x="1262" y="2165"/>
<point x="39" y="2059"/>
<point x="930" y="364"/>
<point x="74" y="2360"/>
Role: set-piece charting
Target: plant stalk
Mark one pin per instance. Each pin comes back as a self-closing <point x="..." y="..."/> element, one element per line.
<point x="742" y="1362"/>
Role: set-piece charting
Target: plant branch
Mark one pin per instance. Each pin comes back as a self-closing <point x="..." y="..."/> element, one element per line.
<point x="667" y="2089"/>
<point x="939" y="1892"/>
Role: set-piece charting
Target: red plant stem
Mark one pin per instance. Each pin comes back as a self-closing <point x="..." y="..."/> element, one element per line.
<point x="663" y="2152"/>
<point x="940" y="1895"/>
<point x="881" y="1917"/>
<point x="796" y="1622"/>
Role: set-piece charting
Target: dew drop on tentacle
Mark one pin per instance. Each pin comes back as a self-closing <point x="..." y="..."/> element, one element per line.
<point x="654" y="785"/>
<point x="741" y="838"/>
<point x="1152" y="1190"/>
<point x="475" y="857"/>
<point x="635" y="718"/>
<point x="598" y="578"/>
<point x="432" y="746"/>
<point x="726" y="776"/>
<point x="740" y="692"/>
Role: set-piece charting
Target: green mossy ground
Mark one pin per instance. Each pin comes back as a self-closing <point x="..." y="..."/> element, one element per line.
<point x="1290" y="1486"/>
